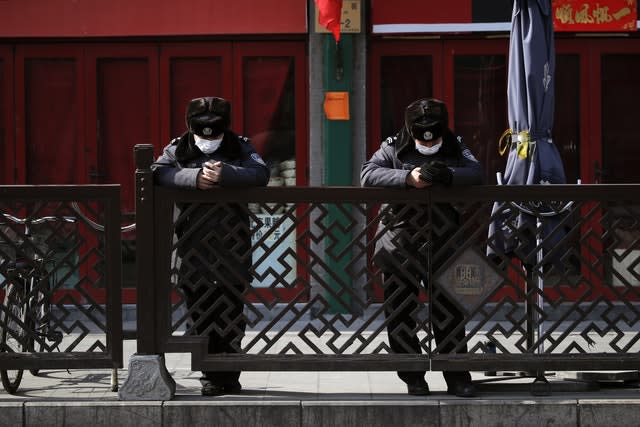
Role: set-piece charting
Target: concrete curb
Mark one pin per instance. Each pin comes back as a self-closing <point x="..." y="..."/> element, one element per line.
<point x="302" y="413"/>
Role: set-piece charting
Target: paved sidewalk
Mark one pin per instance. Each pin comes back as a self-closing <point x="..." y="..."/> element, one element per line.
<point x="81" y="397"/>
<point x="84" y="385"/>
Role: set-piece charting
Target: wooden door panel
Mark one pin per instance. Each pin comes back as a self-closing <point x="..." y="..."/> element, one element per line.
<point x="122" y="111"/>
<point x="191" y="71"/>
<point x="49" y="115"/>
<point x="7" y="143"/>
<point x="401" y="72"/>
<point x="477" y="88"/>
<point x="270" y="100"/>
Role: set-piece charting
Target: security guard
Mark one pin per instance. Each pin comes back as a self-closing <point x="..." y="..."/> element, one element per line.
<point x="213" y="240"/>
<point x="424" y="153"/>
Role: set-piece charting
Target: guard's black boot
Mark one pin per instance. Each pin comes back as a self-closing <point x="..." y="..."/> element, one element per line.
<point x="212" y="389"/>
<point x="463" y="390"/>
<point x="232" y="388"/>
<point x="418" y="387"/>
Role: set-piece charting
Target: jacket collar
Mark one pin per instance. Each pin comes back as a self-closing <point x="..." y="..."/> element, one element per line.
<point x="186" y="148"/>
<point x="406" y="142"/>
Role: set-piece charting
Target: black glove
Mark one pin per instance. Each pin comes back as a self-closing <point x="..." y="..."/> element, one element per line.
<point x="433" y="172"/>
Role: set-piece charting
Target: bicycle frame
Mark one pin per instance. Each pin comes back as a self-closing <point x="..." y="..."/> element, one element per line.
<point x="25" y="325"/>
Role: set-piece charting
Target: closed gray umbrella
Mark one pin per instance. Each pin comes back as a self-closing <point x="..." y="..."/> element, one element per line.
<point x="530" y="231"/>
<point x="532" y="158"/>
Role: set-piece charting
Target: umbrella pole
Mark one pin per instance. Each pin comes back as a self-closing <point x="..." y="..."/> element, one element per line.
<point x="535" y="303"/>
<point x="539" y="287"/>
<point x="528" y="308"/>
<point x="540" y="385"/>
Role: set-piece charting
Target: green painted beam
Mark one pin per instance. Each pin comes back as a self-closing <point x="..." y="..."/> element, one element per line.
<point x="338" y="160"/>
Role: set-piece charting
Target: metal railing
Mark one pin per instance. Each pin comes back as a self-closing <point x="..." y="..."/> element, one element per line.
<point x="82" y="273"/>
<point x="540" y="292"/>
<point x="314" y="298"/>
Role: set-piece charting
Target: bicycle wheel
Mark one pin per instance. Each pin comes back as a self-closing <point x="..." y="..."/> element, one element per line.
<point x="38" y="307"/>
<point x="13" y="338"/>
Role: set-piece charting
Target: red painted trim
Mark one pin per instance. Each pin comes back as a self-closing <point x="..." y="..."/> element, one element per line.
<point x="72" y="18"/>
<point x="274" y="295"/>
<point x="8" y="128"/>
<point x="420" y="12"/>
<point x="302" y="116"/>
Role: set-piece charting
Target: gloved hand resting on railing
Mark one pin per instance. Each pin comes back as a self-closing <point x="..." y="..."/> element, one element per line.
<point x="436" y="171"/>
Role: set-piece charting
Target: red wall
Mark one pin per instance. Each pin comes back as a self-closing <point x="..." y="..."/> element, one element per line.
<point x="420" y="11"/>
<point x="94" y="18"/>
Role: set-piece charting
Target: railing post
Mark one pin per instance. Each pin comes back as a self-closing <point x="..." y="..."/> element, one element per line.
<point x="145" y="314"/>
<point x="148" y="377"/>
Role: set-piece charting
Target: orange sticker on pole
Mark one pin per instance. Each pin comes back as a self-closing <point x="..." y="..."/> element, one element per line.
<point x="336" y="105"/>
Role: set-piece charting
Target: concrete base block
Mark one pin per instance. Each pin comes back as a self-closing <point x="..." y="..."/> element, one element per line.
<point x="95" y="414"/>
<point x="228" y="413"/>
<point x="11" y="414"/>
<point x="523" y="413"/>
<point x="371" y="413"/>
<point x="619" y="413"/>
<point x="148" y="379"/>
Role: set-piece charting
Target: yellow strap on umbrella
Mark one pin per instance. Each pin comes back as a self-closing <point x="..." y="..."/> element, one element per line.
<point x="504" y="141"/>
<point x="523" y="144"/>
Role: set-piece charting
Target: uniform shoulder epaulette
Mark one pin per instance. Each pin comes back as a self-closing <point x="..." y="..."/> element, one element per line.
<point x="243" y="139"/>
<point x="390" y="140"/>
<point x="464" y="149"/>
<point x="175" y="140"/>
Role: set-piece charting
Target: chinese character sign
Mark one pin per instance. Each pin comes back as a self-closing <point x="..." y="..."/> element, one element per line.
<point x="603" y="15"/>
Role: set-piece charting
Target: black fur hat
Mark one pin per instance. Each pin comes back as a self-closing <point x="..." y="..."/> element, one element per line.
<point x="426" y="119"/>
<point x="208" y="116"/>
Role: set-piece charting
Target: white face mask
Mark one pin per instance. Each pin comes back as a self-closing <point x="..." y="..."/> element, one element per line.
<point x="207" y="146"/>
<point x="428" y="151"/>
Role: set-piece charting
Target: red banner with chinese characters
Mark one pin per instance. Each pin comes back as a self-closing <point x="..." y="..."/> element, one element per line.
<point x="601" y="15"/>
